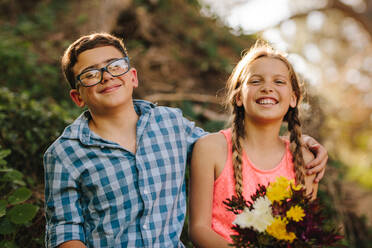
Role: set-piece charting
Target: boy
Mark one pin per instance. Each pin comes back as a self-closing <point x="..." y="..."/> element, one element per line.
<point x="115" y="177"/>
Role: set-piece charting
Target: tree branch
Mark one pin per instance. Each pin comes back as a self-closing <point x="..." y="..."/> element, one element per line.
<point x="347" y="10"/>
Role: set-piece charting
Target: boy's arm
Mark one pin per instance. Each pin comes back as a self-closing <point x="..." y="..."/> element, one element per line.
<point x="317" y="165"/>
<point x="72" y="244"/>
<point x="310" y="185"/>
<point x="62" y="203"/>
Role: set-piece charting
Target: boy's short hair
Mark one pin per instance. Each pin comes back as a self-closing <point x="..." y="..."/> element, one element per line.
<point x="82" y="44"/>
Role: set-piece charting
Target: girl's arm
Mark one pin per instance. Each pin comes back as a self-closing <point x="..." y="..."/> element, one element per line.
<point x="205" y="155"/>
<point x="310" y="184"/>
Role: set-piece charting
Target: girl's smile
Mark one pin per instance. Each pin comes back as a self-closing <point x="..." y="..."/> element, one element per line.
<point x="266" y="101"/>
<point x="267" y="93"/>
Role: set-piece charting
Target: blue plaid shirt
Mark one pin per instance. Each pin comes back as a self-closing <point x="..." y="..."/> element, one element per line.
<point x="101" y="194"/>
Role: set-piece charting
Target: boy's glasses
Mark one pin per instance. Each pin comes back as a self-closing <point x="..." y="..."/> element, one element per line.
<point x="115" y="68"/>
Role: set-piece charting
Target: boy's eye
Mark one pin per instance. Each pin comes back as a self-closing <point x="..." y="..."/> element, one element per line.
<point x="90" y="74"/>
<point x="279" y="82"/>
<point x="114" y="66"/>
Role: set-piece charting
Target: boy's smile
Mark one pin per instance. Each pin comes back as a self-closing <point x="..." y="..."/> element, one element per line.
<point x="112" y="91"/>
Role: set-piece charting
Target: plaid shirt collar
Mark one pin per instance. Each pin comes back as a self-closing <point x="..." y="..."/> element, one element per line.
<point x="80" y="130"/>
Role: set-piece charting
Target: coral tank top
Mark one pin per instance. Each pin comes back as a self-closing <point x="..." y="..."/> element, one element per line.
<point x="224" y="185"/>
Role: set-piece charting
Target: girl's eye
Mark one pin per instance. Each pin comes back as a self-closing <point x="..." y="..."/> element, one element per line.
<point x="255" y="81"/>
<point x="279" y="82"/>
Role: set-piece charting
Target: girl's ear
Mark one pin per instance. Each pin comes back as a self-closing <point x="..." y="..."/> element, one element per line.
<point x="238" y="100"/>
<point x="76" y="98"/>
<point x="293" y="102"/>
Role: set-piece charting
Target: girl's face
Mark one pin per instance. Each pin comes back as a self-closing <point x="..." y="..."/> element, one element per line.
<point x="267" y="94"/>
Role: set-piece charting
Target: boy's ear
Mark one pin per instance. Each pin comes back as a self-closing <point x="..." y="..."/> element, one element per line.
<point x="76" y="98"/>
<point x="134" y="78"/>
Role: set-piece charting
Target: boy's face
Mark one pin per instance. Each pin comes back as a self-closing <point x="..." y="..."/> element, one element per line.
<point x="111" y="92"/>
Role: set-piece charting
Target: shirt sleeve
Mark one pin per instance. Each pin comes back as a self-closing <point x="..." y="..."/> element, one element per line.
<point x="193" y="133"/>
<point x="64" y="220"/>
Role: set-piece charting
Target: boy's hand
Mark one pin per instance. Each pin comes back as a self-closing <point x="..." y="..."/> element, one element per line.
<point x="72" y="244"/>
<point x="318" y="165"/>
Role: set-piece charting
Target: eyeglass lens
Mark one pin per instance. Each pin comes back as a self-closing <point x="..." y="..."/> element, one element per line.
<point x="115" y="68"/>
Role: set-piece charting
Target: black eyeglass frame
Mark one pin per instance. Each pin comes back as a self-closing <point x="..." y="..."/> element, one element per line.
<point x="102" y="70"/>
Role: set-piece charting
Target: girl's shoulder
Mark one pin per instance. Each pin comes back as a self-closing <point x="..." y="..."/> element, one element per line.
<point x="211" y="145"/>
<point x="213" y="140"/>
<point x="210" y="151"/>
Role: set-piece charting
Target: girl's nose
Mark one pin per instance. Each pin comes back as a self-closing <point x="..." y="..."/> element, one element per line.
<point x="266" y="88"/>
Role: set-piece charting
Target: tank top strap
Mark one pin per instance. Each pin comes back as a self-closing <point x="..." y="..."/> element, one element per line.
<point x="227" y="134"/>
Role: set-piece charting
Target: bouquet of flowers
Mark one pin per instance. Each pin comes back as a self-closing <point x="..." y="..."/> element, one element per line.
<point x="280" y="215"/>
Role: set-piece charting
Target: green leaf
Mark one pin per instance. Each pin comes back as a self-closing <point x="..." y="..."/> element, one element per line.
<point x="2" y="162"/>
<point x="8" y="244"/>
<point x="19" y="196"/>
<point x="4" y="153"/>
<point x="5" y="169"/>
<point x="6" y="227"/>
<point x="3" y="204"/>
<point x="13" y="175"/>
<point x="22" y="214"/>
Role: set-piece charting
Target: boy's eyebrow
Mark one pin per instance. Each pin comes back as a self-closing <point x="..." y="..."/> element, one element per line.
<point x="95" y="66"/>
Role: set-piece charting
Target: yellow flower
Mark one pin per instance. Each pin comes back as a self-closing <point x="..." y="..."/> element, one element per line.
<point x="279" y="190"/>
<point x="296" y="213"/>
<point x="296" y="187"/>
<point x="290" y="237"/>
<point x="279" y="231"/>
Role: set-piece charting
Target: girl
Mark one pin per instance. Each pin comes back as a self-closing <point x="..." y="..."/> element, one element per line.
<point x="262" y="92"/>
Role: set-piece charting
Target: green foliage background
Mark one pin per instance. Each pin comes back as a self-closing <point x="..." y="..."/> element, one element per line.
<point x="34" y="104"/>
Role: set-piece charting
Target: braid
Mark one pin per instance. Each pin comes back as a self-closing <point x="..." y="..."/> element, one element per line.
<point x="294" y="127"/>
<point x="237" y="135"/>
<point x="237" y="79"/>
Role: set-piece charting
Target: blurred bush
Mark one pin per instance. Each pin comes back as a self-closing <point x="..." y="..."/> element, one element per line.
<point x="15" y="212"/>
<point x="29" y="48"/>
<point x="27" y="128"/>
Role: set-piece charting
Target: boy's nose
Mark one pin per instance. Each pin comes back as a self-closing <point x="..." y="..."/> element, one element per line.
<point x="106" y="76"/>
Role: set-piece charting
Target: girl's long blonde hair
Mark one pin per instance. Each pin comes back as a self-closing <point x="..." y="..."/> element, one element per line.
<point x="234" y="84"/>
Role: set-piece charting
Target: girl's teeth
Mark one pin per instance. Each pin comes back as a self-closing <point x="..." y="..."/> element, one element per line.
<point x="266" y="101"/>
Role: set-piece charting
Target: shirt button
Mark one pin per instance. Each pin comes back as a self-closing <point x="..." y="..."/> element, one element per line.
<point x="145" y="226"/>
<point x="146" y="192"/>
<point x="102" y="147"/>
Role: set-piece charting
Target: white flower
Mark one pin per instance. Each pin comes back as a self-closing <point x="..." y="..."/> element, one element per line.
<point x="244" y="219"/>
<point x="259" y="218"/>
<point x="262" y="205"/>
<point x="262" y="220"/>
